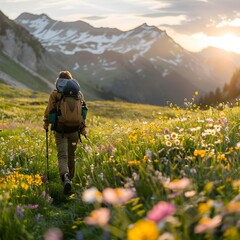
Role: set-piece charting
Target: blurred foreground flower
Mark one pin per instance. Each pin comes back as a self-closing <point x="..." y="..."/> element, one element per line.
<point x="53" y="234"/>
<point x="160" y="211"/>
<point x="208" y="224"/>
<point x="142" y="230"/>
<point x="99" y="217"/>
<point x="178" y="184"/>
<point x="166" y="236"/>
<point x="92" y="195"/>
<point x="117" y="196"/>
<point x="233" y="207"/>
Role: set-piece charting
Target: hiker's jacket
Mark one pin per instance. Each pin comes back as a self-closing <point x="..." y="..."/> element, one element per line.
<point x="52" y="104"/>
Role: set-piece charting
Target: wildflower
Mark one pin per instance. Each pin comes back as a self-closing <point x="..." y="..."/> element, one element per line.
<point x="38" y="217"/>
<point x="166" y="236"/>
<point x="117" y="195"/>
<point x="143" y="229"/>
<point x="160" y="211"/>
<point x="33" y="206"/>
<point x="167" y="137"/>
<point x="207" y="224"/>
<point x="222" y="114"/>
<point x="92" y="195"/>
<point x="148" y="154"/>
<point x="233" y="207"/>
<point x="174" y="135"/>
<point x="189" y="194"/>
<point x="24" y="186"/>
<point x="236" y="184"/>
<point x="99" y="217"/>
<point x="134" y="163"/>
<point x="217" y="128"/>
<point x="19" y="212"/>
<point x="178" y="184"/>
<point x="168" y="144"/>
<point x="200" y="153"/>
<point x="1" y="162"/>
<point x="53" y="234"/>
<point x="221" y="157"/>
<point x="177" y="142"/>
<point x="101" y="176"/>
<point x="208" y="187"/>
<point x="92" y="168"/>
<point x="231" y="233"/>
<point x="206" y="207"/>
<point x="237" y="147"/>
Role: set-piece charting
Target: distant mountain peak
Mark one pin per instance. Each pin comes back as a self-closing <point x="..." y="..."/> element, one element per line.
<point x="32" y="17"/>
<point x="147" y="27"/>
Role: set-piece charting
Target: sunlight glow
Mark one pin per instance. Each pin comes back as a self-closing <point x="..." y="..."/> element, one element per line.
<point x="198" y="41"/>
<point x="228" y="42"/>
<point x="232" y="23"/>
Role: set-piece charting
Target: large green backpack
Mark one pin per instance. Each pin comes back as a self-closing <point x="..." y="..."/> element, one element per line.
<point x="69" y="111"/>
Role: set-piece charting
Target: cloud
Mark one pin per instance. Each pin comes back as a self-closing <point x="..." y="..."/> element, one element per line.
<point x="200" y="15"/>
<point x="212" y="17"/>
<point x="94" y="18"/>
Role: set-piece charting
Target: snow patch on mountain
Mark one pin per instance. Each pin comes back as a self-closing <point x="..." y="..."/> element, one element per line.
<point x="70" y="40"/>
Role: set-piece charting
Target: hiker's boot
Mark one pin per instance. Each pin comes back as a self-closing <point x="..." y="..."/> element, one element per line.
<point x="71" y="173"/>
<point x="67" y="185"/>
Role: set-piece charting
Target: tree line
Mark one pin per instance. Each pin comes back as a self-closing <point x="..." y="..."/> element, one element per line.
<point x="228" y="93"/>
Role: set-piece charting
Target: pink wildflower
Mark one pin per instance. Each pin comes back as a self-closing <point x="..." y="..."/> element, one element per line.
<point x="98" y="217"/>
<point x="33" y="206"/>
<point x="117" y="195"/>
<point x="160" y="211"/>
<point x="53" y="234"/>
<point x="178" y="184"/>
<point x="208" y="224"/>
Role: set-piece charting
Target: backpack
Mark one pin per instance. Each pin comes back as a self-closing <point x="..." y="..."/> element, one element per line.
<point x="69" y="104"/>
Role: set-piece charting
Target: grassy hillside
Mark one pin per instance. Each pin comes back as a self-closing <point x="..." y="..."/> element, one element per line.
<point x="21" y="75"/>
<point x="146" y="172"/>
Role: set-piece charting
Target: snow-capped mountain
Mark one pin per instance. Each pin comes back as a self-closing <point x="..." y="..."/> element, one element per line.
<point x="141" y="65"/>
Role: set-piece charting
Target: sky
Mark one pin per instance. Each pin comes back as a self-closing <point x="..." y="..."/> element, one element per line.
<point x="194" y="24"/>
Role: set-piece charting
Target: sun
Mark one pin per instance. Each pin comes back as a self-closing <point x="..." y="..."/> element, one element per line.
<point x="228" y="42"/>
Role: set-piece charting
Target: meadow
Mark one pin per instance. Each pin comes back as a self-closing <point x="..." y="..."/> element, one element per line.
<point x="144" y="173"/>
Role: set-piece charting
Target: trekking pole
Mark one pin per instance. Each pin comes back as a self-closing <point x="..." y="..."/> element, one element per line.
<point x="47" y="154"/>
<point x="86" y="137"/>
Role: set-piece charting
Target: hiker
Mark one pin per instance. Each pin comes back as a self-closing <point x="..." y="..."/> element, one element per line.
<point x="66" y="134"/>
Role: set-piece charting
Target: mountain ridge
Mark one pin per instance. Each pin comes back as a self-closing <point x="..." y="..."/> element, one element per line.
<point x="140" y="65"/>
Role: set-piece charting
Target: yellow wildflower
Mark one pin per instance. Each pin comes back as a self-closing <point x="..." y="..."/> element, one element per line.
<point x="143" y="229"/>
<point x="200" y="153"/>
<point x="24" y="186"/>
<point x="221" y="157"/>
<point x="205" y="208"/>
<point x="1" y="162"/>
<point x="134" y="163"/>
<point x="231" y="233"/>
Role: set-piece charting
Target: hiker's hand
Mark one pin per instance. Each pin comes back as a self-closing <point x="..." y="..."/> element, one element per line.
<point x="45" y="126"/>
<point x="84" y="132"/>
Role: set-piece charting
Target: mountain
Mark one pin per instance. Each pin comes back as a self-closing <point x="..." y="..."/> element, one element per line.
<point x="19" y="54"/>
<point x="221" y="62"/>
<point x="142" y="65"/>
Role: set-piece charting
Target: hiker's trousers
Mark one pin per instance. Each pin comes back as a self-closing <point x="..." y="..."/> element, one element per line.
<point x="66" y="150"/>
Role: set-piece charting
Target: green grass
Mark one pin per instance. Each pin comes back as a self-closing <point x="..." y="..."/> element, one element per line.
<point x="188" y="159"/>
<point x="17" y="72"/>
